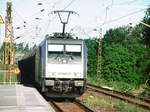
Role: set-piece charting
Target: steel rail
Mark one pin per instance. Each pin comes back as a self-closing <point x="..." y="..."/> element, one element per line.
<point x="58" y="108"/>
<point x="83" y="106"/>
<point x="121" y="95"/>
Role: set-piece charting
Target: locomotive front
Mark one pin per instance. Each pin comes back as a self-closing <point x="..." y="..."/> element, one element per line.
<point x="58" y="65"/>
<point x="65" y="72"/>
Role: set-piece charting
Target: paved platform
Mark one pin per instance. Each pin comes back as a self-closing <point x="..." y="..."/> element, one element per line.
<point x="19" y="98"/>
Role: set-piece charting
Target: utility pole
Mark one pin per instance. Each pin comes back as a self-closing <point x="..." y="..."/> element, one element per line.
<point x="8" y="52"/>
<point x="99" y="57"/>
<point x="8" y="47"/>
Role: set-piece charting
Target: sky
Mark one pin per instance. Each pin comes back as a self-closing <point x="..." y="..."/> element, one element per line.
<point x="92" y="14"/>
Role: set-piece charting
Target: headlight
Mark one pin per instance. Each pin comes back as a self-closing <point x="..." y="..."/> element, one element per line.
<point x="64" y="61"/>
<point x="52" y="73"/>
<point x="77" y="74"/>
<point x="49" y="82"/>
<point x="79" y="83"/>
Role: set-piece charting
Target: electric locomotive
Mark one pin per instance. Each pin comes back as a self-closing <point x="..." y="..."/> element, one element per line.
<point x="58" y="65"/>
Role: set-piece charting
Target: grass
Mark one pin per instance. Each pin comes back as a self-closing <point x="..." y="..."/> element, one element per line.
<point x="120" y="106"/>
<point x="142" y="90"/>
<point x="120" y="86"/>
<point x="92" y="100"/>
<point x="96" y="100"/>
<point x="124" y="107"/>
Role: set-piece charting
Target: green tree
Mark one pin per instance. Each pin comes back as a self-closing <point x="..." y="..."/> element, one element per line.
<point x="116" y="35"/>
<point x="124" y="57"/>
<point x="146" y="30"/>
<point x="119" y="64"/>
<point x="26" y="48"/>
<point x="92" y="45"/>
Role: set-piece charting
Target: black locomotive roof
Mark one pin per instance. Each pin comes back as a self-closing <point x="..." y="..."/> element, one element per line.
<point x="67" y="41"/>
<point x="60" y="36"/>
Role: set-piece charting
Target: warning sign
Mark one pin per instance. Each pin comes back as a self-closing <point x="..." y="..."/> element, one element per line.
<point x="1" y="20"/>
<point x="17" y="71"/>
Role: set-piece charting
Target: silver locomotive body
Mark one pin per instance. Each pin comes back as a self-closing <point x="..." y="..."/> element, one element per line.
<point x="59" y="67"/>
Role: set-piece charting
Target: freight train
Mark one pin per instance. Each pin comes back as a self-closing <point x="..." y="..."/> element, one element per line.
<point x="58" y="66"/>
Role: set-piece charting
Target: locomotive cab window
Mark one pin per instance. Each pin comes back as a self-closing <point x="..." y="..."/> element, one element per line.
<point x="55" y="50"/>
<point x="64" y="54"/>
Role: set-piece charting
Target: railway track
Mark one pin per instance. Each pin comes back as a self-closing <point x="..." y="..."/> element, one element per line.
<point x="120" y="95"/>
<point x="74" y="106"/>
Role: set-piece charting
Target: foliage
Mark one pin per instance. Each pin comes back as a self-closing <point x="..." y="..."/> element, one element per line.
<point x="146" y="30"/>
<point x="126" y="63"/>
<point x="146" y="90"/>
<point x="125" y="56"/>
<point x="117" y="63"/>
<point x="92" y="45"/>
<point x="21" y="47"/>
<point x="20" y="50"/>
<point x="116" y="35"/>
<point x="116" y="85"/>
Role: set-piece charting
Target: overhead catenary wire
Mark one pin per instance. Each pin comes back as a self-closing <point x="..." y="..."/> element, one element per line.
<point x="69" y="4"/>
<point x="49" y="21"/>
<point x="129" y="2"/>
<point x="26" y="33"/>
<point x="106" y="12"/>
<point x="19" y="15"/>
<point x="26" y="26"/>
<point x="121" y="17"/>
<point x="42" y="10"/>
<point x="23" y="40"/>
<point x="48" y="3"/>
<point x="56" y="3"/>
<point x="25" y="22"/>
